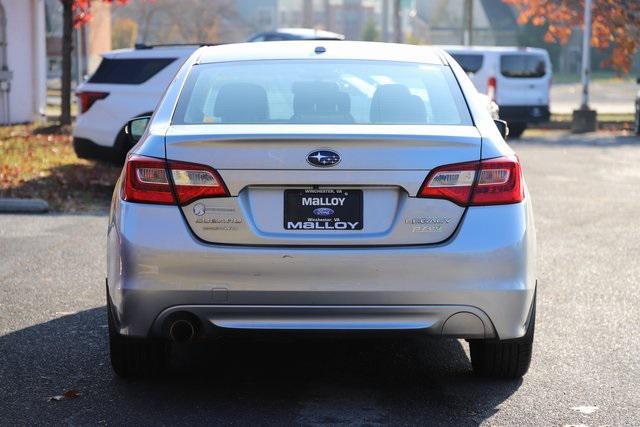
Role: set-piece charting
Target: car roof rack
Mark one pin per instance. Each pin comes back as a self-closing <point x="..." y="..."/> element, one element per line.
<point x="143" y="46"/>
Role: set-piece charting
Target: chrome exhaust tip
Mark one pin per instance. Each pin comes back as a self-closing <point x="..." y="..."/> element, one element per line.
<point x="182" y="330"/>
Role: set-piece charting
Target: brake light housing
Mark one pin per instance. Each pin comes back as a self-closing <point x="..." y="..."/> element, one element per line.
<point x="87" y="99"/>
<point x="492" y="88"/>
<point x="167" y="182"/>
<point x="495" y="181"/>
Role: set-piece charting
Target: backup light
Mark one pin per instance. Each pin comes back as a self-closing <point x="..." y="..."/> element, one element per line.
<point x="452" y="179"/>
<point x="194" y="178"/>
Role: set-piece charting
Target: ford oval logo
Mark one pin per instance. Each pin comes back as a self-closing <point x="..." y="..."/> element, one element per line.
<point x="323" y="158"/>
<point x="323" y="211"/>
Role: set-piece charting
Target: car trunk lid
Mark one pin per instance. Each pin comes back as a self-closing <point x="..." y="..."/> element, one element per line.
<point x="277" y="197"/>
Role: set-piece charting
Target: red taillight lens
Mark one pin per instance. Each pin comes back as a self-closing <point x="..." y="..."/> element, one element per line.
<point x="451" y="182"/>
<point x="87" y="99"/>
<point x="146" y="180"/>
<point x="193" y="181"/>
<point x="499" y="183"/>
<point x="488" y="182"/>
<point x="492" y="88"/>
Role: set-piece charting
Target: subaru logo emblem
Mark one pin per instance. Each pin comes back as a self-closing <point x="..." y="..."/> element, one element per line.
<point x="323" y="211"/>
<point x="323" y="158"/>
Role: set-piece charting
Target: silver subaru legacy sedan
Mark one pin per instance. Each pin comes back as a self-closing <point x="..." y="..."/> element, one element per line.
<point x="321" y="185"/>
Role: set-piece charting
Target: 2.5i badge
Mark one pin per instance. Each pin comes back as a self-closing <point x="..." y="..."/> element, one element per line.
<point x="326" y="209"/>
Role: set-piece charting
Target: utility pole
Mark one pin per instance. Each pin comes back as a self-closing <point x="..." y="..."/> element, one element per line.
<point x="468" y="27"/>
<point x="307" y="14"/>
<point x="385" y="20"/>
<point x="585" y="119"/>
<point x="397" y="22"/>
<point x="327" y="15"/>
<point x="586" y="55"/>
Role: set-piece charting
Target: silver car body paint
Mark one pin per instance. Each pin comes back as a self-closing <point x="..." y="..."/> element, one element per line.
<point x="424" y="264"/>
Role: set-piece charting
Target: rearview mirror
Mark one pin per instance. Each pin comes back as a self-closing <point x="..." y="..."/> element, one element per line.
<point x="502" y="128"/>
<point x="135" y="128"/>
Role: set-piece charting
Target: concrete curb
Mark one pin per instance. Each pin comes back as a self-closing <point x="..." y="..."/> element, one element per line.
<point x="23" y="206"/>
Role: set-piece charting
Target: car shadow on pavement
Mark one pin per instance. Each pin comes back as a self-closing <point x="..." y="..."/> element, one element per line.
<point x="280" y="379"/>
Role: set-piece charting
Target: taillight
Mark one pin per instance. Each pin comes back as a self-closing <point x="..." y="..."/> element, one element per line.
<point x="87" y="99"/>
<point x="488" y="182"/>
<point x="192" y="181"/>
<point x="492" y="88"/>
<point x="151" y="180"/>
<point x="499" y="183"/>
<point x="451" y="182"/>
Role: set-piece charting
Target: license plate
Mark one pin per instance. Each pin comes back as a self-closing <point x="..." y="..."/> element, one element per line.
<point x="330" y="210"/>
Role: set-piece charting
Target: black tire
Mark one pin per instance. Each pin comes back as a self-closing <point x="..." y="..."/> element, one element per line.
<point x="637" y="120"/>
<point x="504" y="359"/>
<point x="516" y="130"/>
<point x="135" y="357"/>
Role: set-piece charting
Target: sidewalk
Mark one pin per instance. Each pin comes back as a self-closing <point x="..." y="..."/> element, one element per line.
<point x="607" y="96"/>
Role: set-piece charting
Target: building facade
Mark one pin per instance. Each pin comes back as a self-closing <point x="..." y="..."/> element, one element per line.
<point x="22" y="61"/>
<point x="258" y="15"/>
<point x="444" y="22"/>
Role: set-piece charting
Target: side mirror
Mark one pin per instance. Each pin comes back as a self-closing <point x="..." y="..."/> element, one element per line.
<point x="135" y="128"/>
<point x="502" y="128"/>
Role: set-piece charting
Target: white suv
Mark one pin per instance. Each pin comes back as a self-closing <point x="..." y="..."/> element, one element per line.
<point x="517" y="79"/>
<point x="127" y="84"/>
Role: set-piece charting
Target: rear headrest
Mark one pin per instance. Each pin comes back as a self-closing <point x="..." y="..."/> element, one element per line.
<point x="393" y="103"/>
<point x="242" y="103"/>
<point x="320" y="101"/>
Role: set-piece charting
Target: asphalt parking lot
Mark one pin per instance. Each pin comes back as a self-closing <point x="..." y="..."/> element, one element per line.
<point x="586" y="366"/>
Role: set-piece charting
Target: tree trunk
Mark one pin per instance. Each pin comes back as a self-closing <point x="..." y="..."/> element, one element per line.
<point x="397" y="23"/>
<point x="67" y="47"/>
<point x="327" y="15"/>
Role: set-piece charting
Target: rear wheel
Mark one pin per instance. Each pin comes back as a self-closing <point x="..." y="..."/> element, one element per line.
<point x="504" y="359"/>
<point x="517" y="129"/>
<point x="135" y="357"/>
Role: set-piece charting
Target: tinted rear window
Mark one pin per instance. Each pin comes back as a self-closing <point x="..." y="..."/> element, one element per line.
<point x="321" y="92"/>
<point x="129" y="71"/>
<point x="470" y="63"/>
<point x="523" y="65"/>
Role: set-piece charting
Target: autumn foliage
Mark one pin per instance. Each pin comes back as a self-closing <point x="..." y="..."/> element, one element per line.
<point x="616" y="24"/>
<point x="82" y="10"/>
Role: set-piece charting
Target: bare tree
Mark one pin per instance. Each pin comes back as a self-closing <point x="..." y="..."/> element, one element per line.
<point x="397" y="22"/>
<point x="67" y="48"/>
<point x="185" y="21"/>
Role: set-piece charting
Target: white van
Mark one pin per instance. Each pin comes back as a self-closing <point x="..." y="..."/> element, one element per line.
<point x="517" y="79"/>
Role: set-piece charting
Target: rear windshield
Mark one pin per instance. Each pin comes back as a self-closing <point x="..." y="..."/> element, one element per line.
<point x="470" y="63"/>
<point x="523" y="65"/>
<point x="129" y="71"/>
<point x="321" y="92"/>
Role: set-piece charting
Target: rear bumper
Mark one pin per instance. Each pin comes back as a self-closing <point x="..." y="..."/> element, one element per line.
<point x="486" y="272"/>
<point x="439" y="320"/>
<point x="525" y="113"/>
